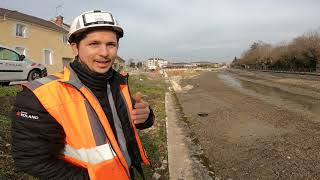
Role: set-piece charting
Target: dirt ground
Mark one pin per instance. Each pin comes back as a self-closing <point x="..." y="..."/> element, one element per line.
<point x="244" y="137"/>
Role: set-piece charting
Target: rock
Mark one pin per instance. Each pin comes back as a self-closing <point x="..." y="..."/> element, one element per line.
<point x="288" y="157"/>
<point x="165" y="162"/>
<point x="163" y="166"/>
<point x="156" y="176"/>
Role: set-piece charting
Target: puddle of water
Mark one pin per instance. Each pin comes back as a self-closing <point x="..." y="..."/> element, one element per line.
<point x="307" y="103"/>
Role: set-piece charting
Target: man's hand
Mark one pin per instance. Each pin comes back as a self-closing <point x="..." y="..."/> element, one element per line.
<point x="141" y="112"/>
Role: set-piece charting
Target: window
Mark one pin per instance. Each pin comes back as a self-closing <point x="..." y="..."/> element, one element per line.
<point x="21" y="30"/>
<point x="21" y="50"/>
<point x="6" y="54"/>
<point x="65" y="39"/>
<point x="48" y="57"/>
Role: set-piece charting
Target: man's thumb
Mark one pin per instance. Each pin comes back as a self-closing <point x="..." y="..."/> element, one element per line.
<point x="138" y="97"/>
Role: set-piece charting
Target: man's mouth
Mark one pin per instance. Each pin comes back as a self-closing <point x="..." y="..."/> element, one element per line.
<point x="103" y="61"/>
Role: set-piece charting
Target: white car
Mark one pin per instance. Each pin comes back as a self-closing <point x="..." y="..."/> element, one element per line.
<point x="16" y="67"/>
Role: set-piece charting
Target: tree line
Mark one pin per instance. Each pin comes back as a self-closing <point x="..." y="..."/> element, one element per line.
<point x="301" y="54"/>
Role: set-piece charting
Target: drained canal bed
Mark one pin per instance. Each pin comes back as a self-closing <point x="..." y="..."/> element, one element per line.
<point x="248" y="131"/>
<point x="302" y="102"/>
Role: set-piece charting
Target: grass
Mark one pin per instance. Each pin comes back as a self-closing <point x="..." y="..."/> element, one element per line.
<point x="7" y="170"/>
<point x="9" y="90"/>
<point x="152" y="87"/>
<point x="154" y="139"/>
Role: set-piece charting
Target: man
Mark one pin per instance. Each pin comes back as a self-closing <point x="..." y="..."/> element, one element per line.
<point x="81" y="124"/>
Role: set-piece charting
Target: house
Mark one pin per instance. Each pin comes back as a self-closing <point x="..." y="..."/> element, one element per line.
<point x="38" y="39"/>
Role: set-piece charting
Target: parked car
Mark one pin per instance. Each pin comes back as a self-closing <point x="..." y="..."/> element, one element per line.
<point x="16" y="67"/>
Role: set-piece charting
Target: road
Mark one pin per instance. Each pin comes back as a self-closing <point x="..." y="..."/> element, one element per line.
<point x="252" y="135"/>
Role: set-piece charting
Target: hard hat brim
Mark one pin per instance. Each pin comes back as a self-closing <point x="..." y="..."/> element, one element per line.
<point x="116" y="29"/>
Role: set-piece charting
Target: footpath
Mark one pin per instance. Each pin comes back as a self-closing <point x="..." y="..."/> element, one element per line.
<point x="180" y="163"/>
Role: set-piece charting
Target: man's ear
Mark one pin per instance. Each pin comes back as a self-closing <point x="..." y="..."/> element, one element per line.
<point x="74" y="47"/>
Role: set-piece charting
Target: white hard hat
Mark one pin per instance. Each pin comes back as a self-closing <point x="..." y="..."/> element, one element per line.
<point x="91" y="19"/>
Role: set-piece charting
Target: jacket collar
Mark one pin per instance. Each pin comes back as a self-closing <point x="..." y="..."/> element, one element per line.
<point x="70" y="77"/>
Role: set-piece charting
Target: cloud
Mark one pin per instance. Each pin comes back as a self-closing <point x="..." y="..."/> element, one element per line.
<point x="189" y="29"/>
<point x="212" y="46"/>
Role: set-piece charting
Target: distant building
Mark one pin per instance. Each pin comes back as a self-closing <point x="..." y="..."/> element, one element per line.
<point x="38" y="39"/>
<point x="118" y="64"/>
<point x="201" y="63"/>
<point x="151" y="64"/>
<point x="215" y="65"/>
<point x="180" y="65"/>
<point x="162" y="63"/>
<point x="205" y="64"/>
<point x="155" y="63"/>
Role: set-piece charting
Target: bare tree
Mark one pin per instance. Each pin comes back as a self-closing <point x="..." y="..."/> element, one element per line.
<point x="302" y="54"/>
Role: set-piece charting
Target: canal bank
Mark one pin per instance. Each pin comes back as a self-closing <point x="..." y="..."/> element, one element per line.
<point x="246" y="137"/>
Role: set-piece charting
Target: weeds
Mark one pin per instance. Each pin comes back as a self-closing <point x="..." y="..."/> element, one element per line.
<point x="9" y="90"/>
<point x="154" y="139"/>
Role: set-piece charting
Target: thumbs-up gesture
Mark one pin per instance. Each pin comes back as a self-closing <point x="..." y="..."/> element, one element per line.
<point x="141" y="112"/>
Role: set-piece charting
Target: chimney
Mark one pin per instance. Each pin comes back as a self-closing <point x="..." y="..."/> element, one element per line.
<point x="59" y="20"/>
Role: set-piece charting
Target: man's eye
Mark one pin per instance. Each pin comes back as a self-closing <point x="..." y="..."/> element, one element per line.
<point x="93" y="44"/>
<point x="112" y="45"/>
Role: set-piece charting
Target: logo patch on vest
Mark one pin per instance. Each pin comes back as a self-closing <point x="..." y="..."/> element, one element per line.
<point x="26" y="115"/>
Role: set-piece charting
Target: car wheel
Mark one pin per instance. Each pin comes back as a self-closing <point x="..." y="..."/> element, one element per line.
<point x="34" y="74"/>
<point x="4" y="83"/>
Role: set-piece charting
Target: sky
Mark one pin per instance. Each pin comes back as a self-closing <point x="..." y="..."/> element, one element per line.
<point x="189" y="30"/>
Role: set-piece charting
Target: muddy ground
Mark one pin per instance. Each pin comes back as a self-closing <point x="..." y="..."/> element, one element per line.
<point x="245" y="137"/>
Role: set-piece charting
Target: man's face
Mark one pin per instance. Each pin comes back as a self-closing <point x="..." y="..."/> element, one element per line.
<point x="97" y="50"/>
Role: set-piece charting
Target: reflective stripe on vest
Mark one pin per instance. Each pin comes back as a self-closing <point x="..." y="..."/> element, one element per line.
<point x="90" y="141"/>
<point x="90" y="155"/>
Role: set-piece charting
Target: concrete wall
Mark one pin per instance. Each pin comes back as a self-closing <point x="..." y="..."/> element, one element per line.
<point x="37" y="39"/>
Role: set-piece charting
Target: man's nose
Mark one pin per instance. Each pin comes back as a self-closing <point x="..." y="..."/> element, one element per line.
<point x="104" y="51"/>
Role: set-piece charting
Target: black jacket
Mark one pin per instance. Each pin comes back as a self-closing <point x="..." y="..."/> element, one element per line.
<point x="37" y="140"/>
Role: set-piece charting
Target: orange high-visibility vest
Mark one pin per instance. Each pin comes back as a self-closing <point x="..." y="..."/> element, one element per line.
<point x="89" y="141"/>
